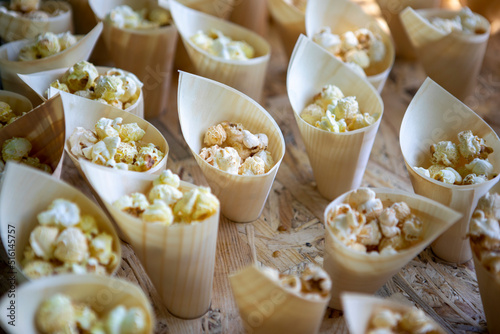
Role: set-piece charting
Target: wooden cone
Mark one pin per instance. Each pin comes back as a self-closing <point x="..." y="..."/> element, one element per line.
<point x="179" y="258"/>
<point x="342" y="16"/>
<point x="338" y="160"/>
<point x="246" y="76"/>
<point x="10" y="66"/>
<point x="148" y="53"/>
<point x="44" y="128"/>
<point x="251" y="14"/>
<point x="101" y="293"/>
<point x="362" y="272"/>
<point x="266" y="307"/>
<point x="21" y="200"/>
<point x="432" y="116"/>
<point x="40" y="83"/>
<point x="203" y="103"/>
<point x="358" y="310"/>
<point x="290" y="21"/>
<point x="13" y="28"/>
<point x="452" y="60"/>
<point x="85" y="113"/>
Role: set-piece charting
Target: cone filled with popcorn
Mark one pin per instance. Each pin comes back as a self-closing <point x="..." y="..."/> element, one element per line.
<point x="106" y="136"/>
<point x="60" y="232"/>
<point x="141" y="44"/>
<point x="346" y="31"/>
<point x="372" y="233"/>
<point x="365" y="313"/>
<point x="172" y="226"/>
<point x="270" y="302"/>
<point x="41" y="54"/>
<point x="338" y="144"/>
<point x="449" y="44"/>
<point x="452" y="156"/>
<point x="290" y="19"/>
<point x="489" y="9"/>
<point x="75" y="301"/>
<point x="237" y="144"/>
<point x="33" y="137"/>
<point x="223" y="51"/>
<point x="111" y="86"/>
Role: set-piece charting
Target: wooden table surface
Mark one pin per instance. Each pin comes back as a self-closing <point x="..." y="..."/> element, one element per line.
<point x="290" y="231"/>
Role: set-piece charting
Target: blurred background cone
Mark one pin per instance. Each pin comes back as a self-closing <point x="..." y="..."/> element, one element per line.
<point x="251" y="14"/>
<point x="290" y="21"/>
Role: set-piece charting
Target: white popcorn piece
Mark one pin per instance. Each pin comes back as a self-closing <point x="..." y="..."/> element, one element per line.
<point x="81" y="76"/>
<point x="85" y="317"/>
<point x="15" y="149"/>
<point x="165" y="193"/>
<point x="388" y="223"/>
<point x="412" y="228"/>
<point x="448" y="175"/>
<point x="148" y="157"/>
<point x="168" y="178"/>
<point x="480" y="167"/>
<point x="358" y="57"/>
<point x="106" y="127"/>
<point x="422" y="171"/>
<point x="196" y="204"/>
<point x="474" y="179"/>
<point x="219" y="45"/>
<point x="344" y="222"/>
<point x="252" y="166"/>
<point x="134" y="204"/>
<point x="66" y="40"/>
<point x="42" y="241"/>
<point x="101" y="247"/>
<point x="444" y="152"/>
<point x="369" y="234"/>
<point x="131" y="132"/>
<point x="37" y="269"/>
<point x="385" y="318"/>
<point x="327" y="40"/>
<point x="158" y="212"/>
<point x="471" y="146"/>
<point x="105" y="150"/>
<point x="349" y="41"/>
<point x="80" y="139"/>
<point x="227" y="159"/>
<point x="71" y="246"/>
<point x="47" y="44"/>
<point x="267" y="158"/>
<point x="60" y="212"/>
<point x="56" y="315"/>
<point x="215" y="135"/>
<point x="109" y="88"/>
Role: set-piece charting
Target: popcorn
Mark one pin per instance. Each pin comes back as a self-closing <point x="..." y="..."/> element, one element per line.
<point x="81" y="76"/>
<point x="165" y="193"/>
<point x="24" y="5"/>
<point x="444" y="152"/>
<point x="196" y="204"/>
<point x="158" y="212"/>
<point x="42" y="241"/>
<point x="465" y="22"/>
<point x="109" y="88"/>
<point x="71" y="246"/>
<point x="15" y="149"/>
<point x="252" y="166"/>
<point x="101" y="247"/>
<point x="45" y="45"/>
<point x="387" y="320"/>
<point x="216" y="43"/>
<point x="169" y="178"/>
<point x="56" y="315"/>
<point x="125" y="17"/>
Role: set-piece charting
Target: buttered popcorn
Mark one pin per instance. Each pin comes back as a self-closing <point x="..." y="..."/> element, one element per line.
<point x="363" y="224"/>
<point x="46" y="45"/>
<point x="168" y="203"/>
<point x="60" y="314"/>
<point x="219" y="45"/>
<point x="30" y="9"/>
<point x="466" y="22"/>
<point x="332" y="111"/>
<point x="390" y="321"/>
<point x="18" y="149"/>
<point x="231" y="148"/>
<point x="116" y="87"/>
<point x="125" y="17"/>
<point x="116" y="145"/>
<point x="460" y="164"/>
<point x="7" y="115"/>
<point x="65" y="241"/>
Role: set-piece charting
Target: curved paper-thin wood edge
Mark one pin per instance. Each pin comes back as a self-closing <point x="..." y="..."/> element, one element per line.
<point x="13" y="28"/>
<point x="17" y="102"/>
<point x="290" y="22"/>
<point x="246" y="76"/>
<point x="203" y="103"/>
<point x="179" y="259"/>
<point x="420" y="31"/>
<point x="40" y="83"/>
<point x="338" y="160"/>
<point x="44" y="127"/>
<point x="432" y="116"/>
<point x="101" y="293"/>
<point x="21" y="202"/>
<point x="358" y="310"/>
<point x="85" y="113"/>
<point x="266" y="307"/>
<point x="361" y="272"/>
<point x="344" y="15"/>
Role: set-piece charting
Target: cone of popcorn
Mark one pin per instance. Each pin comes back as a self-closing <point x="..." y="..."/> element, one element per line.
<point x="452" y="157"/>
<point x="449" y="44"/>
<point x="223" y="51"/>
<point x="371" y="233"/>
<point x="141" y="44"/>
<point x="111" y="86"/>
<point x="107" y="136"/>
<point x="290" y="19"/>
<point x="86" y="302"/>
<point x="236" y="143"/>
<point x="251" y="14"/>
<point x="33" y="137"/>
<point x="270" y="302"/>
<point x="390" y="11"/>
<point x="19" y="22"/>
<point x="346" y="31"/>
<point x="367" y="314"/>
<point x="172" y="227"/>
<point x="47" y="52"/>
<point x="338" y="152"/>
<point x="60" y="232"/>
<point x="489" y="9"/>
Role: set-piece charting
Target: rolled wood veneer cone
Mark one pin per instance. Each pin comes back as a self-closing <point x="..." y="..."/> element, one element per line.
<point x="43" y="127"/>
<point x="267" y="307"/>
<point x="251" y="14"/>
<point x="247" y="76"/>
<point x="203" y="103"/>
<point x="452" y="60"/>
<point x="290" y="21"/>
<point x="40" y="83"/>
<point x="101" y="293"/>
<point x="342" y="16"/>
<point x="338" y="160"/>
<point x="432" y="116"/>
<point x="179" y="258"/>
<point x="26" y="192"/>
<point x="148" y="53"/>
<point x="355" y="271"/>
<point x="10" y="66"/>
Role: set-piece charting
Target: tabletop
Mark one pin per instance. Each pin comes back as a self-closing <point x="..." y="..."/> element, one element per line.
<point x="290" y="232"/>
